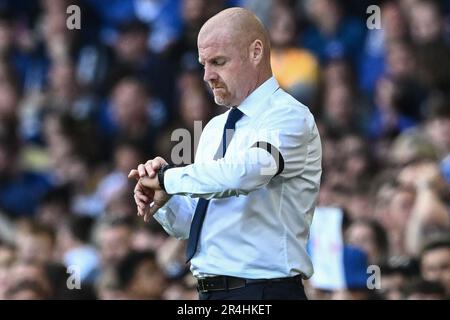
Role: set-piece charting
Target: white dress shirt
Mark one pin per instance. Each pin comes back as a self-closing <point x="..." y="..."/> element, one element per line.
<point x="257" y="223"/>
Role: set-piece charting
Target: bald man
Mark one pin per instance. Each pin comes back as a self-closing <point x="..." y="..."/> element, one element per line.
<point x="246" y="203"/>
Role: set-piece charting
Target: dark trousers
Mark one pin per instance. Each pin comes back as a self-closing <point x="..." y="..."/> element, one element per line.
<point x="259" y="291"/>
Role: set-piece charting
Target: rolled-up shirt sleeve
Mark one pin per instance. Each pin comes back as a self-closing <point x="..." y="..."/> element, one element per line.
<point x="176" y="216"/>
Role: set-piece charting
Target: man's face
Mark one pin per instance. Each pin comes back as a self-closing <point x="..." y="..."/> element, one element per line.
<point x="361" y="235"/>
<point x="425" y="23"/>
<point x="391" y="286"/>
<point x="148" y="281"/>
<point x="35" y="247"/>
<point x="228" y="70"/>
<point x="114" y="244"/>
<point x="129" y="103"/>
<point x="400" y="208"/>
<point x="436" y="266"/>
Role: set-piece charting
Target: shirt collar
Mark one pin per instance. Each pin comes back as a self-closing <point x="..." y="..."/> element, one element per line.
<point x="250" y="105"/>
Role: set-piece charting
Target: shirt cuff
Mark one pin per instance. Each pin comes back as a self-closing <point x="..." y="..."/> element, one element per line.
<point x="166" y="218"/>
<point x="171" y="179"/>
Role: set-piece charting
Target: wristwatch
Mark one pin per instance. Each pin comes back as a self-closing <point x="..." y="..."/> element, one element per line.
<point x="161" y="172"/>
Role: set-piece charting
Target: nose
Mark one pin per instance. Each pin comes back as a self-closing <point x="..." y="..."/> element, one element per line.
<point x="209" y="75"/>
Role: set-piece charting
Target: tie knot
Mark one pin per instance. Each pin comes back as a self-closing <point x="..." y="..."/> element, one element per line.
<point x="233" y="117"/>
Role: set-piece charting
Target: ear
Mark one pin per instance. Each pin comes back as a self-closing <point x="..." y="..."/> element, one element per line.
<point x="256" y="51"/>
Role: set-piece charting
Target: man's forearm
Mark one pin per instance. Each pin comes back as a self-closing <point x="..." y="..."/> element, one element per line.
<point x="222" y="178"/>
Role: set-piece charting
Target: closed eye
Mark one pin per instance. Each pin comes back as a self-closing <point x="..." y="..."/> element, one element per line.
<point x="218" y="62"/>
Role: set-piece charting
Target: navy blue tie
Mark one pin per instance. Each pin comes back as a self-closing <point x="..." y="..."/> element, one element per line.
<point x="200" y="211"/>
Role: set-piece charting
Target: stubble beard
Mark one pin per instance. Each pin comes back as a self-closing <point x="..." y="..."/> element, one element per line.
<point x="222" y="99"/>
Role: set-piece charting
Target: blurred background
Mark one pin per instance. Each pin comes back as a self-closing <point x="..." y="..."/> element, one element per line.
<point x="80" y="108"/>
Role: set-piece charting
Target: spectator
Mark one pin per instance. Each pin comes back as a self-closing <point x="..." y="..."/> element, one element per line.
<point x="7" y="256"/>
<point x="425" y="290"/>
<point x="426" y="22"/>
<point x="112" y="186"/>
<point x="355" y="264"/>
<point x="332" y="34"/>
<point x="429" y="213"/>
<point x="35" y="243"/>
<point x="373" y="59"/>
<point x="113" y="237"/>
<point x="76" y="250"/>
<point x="128" y="115"/>
<point x="140" y="277"/>
<point x="438" y="123"/>
<point x="396" y="274"/>
<point x="371" y="237"/>
<point x="131" y="57"/>
<point x="29" y="280"/>
<point x="296" y="69"/>
<point x="386" y="120"/>
<point x="54" y="209"/>
<point x="107" y="286"/>
<point x="340" y="114"/>
<point x="26" y="290"/>
<point x="183" y="51"/>
<point x="435" y="263"/>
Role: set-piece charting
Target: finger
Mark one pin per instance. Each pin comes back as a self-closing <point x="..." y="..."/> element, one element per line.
<point x="149" y="169"/>
<point x="142" y="172"/>
<point x="138" y="188"/>
<point x="141" y="212"/>
<point x="140" y="208"/>
<point x="158" y="162"/>
<point x="143" y="198"/>
<point x="139" y="202"/>
<point x="140" y="196"/>
<point x="134" y="174"/>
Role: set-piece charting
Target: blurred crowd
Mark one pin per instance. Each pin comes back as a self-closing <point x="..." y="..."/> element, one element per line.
<point x="80" y="108"/>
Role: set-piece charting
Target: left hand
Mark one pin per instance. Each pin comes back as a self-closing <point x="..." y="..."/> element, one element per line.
<point x="150" y="183"/>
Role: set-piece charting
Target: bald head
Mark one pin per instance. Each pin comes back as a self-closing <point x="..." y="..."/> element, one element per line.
<point x="234" y="49"/>
<point x="235" y="26"/>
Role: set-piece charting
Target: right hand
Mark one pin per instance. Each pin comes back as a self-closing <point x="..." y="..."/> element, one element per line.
<point x="148" y="201"/>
